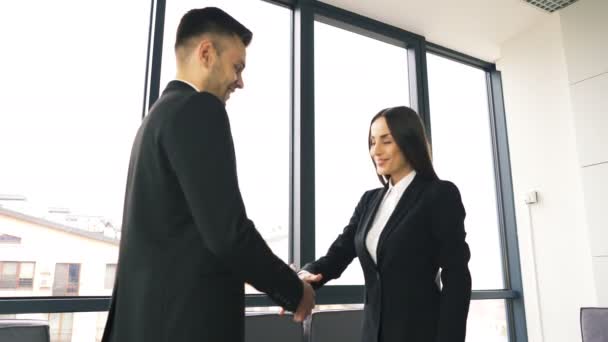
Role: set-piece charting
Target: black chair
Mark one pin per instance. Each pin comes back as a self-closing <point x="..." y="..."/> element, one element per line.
<point x="265" y="327"/>
<point x="594" y="324"/>
<point x="334" y="326"/>
<point x="24" y="330"/>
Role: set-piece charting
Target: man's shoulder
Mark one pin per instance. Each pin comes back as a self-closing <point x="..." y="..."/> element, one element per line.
<point x="185" y="106"/>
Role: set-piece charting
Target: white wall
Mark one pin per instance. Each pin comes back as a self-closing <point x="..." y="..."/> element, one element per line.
<point x="554" y="244"/>
<point x="584" y="29"/>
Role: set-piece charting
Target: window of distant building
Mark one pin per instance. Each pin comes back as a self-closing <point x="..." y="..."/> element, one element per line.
<point x="110" y="276"/>
<point x="67" y="278"/>
<point x="16" y="275"/>
<point x="5" y="238"/>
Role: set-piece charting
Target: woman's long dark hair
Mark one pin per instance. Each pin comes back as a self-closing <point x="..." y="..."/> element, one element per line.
<point x="408" y="132"/>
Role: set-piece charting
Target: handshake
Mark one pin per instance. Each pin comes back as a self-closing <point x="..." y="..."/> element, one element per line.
<point x="307" y="302"/>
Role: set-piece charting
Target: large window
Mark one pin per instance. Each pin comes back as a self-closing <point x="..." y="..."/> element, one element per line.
<point x="351" y="86"/>
<point x="462" y="153"/>
<point x="72" y="86"/>
<point x="487" y="321"/>
<point x="259" y="113"/>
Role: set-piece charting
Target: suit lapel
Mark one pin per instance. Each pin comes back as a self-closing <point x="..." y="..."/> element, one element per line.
<point x="402" y="209"/>
<point x="367" y="224"/>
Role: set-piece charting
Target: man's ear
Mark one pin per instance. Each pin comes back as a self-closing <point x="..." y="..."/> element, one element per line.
<point x="206" y="52"/>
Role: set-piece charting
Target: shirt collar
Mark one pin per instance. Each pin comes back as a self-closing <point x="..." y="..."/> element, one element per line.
<point x="400" y="187"/>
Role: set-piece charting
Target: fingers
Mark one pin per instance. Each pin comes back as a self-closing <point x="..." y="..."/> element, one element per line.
<point x="309" y="277"/>
<point x="313" y="278"/>
<point x="307" y="303"/>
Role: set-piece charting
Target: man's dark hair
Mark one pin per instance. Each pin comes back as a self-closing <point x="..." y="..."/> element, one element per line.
<point x="210" y="20"/>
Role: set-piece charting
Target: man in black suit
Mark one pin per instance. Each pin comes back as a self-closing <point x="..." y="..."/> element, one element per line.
<point x="187" y="245"/>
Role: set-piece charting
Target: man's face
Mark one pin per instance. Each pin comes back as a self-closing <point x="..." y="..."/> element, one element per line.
<point x="226" y="73"/>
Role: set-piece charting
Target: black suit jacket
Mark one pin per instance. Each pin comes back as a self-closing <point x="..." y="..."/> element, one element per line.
<point x="187" y="246"/>
<point x="425" y="232"/>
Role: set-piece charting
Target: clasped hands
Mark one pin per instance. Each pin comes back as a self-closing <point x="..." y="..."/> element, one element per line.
<point x="307" y="302"/>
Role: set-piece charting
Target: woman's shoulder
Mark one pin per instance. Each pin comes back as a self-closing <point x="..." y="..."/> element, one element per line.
<point x="442" y="185"/>
<point x="443" y="190"/>
<point x="369" y="194"/>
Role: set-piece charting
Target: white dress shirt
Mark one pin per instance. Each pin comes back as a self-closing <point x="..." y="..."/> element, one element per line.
<point x="387" y="206"/>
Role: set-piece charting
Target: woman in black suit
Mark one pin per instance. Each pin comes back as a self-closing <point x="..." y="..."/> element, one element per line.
<point x="404" y="234"/>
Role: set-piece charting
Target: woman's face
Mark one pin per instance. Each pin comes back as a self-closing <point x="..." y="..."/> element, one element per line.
<point x="387" y="156"/>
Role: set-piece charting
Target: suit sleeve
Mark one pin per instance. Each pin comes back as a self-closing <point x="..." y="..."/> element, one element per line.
<point x="198" y="145"/>
<point x="341" y="252"/>
<point x="453" y="257"/>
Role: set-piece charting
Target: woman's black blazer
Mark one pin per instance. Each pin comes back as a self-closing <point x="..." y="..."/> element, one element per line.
<point x="425" y="234"/>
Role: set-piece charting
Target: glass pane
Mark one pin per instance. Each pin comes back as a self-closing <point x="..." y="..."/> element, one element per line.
<point x="61" y="326"/>
<point x="9" y="270"/>
<point x="351" y="86"/>
<point x="26" y="275"/>
<point x="110" y="276"/>
<point x="74" y="272"/>
<point x="259" y="113"/>
<point x="487" y="321"/>
<point x="72" y="326"/>
<point x="26" y="270"/>
<point x="61" y="280"/>
<point x="8" y="278"/>
<point x="67" y="280"/>
<point x="462" y="153"/>
<point x="71" y="105"/>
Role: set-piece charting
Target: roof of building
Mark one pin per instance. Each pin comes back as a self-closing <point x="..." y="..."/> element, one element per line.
<point x="58" y="226"/>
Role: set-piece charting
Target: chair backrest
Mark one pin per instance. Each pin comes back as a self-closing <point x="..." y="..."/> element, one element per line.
<point x="24" y="330"/>
<point x="332" y="326"/>
<point x="272" y="328"/>
<point x="594" y="324"/>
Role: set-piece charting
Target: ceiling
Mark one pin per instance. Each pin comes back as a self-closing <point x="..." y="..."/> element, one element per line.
<point x="474" y="27"/>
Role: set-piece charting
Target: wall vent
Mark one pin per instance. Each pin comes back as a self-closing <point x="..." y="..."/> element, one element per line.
<point x="550" y="5"/>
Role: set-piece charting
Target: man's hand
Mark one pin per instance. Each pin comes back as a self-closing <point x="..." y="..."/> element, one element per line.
<point x="307" y="303"/>
<point x="306" y="278"/>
